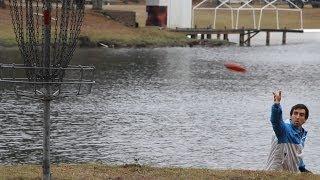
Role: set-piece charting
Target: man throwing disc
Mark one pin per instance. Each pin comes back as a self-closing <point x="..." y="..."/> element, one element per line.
<point x="288" y="141"/>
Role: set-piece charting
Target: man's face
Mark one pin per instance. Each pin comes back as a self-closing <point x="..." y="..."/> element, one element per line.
<point x="298" y="117"/>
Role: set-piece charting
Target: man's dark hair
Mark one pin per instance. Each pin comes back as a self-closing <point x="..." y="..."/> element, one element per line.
<point x="300" y="106"/>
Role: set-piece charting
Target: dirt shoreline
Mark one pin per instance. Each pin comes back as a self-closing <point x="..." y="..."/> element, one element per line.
<point x="137" y="171"/>
<point x="85" y="42"/>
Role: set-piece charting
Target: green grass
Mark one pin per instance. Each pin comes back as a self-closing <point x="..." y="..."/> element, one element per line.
<point x="7" y="37"/>
<point x="119" y="37"/>
<point x="134" y="171"/>
<point x="97" y="29"/>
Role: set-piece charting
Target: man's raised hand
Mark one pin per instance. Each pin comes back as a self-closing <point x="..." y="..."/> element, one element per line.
<point x="277" y="97"/>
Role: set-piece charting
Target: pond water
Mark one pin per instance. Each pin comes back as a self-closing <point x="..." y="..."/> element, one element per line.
<point x="174" y="107"/>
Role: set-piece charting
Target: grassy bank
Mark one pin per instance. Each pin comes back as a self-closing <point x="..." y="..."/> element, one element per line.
<point x="97" y="28"/>
<point x="98" y="171"/>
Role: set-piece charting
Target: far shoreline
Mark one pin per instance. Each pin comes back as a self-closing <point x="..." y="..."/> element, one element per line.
<point x="85" y="42"/>
<point x="97" y="29"/>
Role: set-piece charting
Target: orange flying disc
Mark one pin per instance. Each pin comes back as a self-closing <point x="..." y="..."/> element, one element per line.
<point x="235" y="67"/>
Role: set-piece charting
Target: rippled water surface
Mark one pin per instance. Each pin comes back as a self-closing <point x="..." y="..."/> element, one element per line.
<point x="174" y="107"/>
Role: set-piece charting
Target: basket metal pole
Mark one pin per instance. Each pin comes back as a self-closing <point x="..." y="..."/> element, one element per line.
<point x="47" y="99"/>
<point x="46" y="140"/>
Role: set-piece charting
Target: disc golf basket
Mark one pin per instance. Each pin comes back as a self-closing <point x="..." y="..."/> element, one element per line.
<point x="46" y="32"/>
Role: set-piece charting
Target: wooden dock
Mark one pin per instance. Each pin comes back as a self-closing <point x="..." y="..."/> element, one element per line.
<point x="245" y="35"/>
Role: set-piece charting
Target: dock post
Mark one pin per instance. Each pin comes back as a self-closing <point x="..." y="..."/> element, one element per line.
<point x="225" y="36"/>
<point x="193" y="36"/>
<point x="218" y="36"/>
<point x="241" y="40"/>
<point x="284" y="36"/>
<point x="249" y="39"/>
<point x="202" y="36"/>
<point x="241" y="37"/>
<point x="208" y="36"/>
<point x="268" y="38"/>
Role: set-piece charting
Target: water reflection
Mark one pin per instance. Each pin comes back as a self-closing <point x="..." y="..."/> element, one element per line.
<point x="172" y="107"/>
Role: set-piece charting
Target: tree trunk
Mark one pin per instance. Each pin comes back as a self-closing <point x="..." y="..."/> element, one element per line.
<point x="96" y="4"/>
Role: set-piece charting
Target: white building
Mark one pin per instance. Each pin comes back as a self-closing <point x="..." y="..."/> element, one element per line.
<point x="179" y="14"/>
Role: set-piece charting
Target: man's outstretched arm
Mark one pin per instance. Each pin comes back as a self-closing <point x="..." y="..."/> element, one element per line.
<point x="276" y="116"/>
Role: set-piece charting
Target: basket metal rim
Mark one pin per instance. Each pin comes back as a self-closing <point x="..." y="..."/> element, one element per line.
<point x="24" y="81"/>
<point x="70" y="67"/>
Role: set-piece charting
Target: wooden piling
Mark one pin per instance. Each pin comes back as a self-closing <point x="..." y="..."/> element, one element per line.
<point x="218" y="36"/>
<point x="208" y="36"/>
<point x="193" y="36"/>
<point x="284" y="36"/>
<point x="202" y="36"/>
<point x="268" y="38"/>
<point x="249" y="39"/>
<point x="225" y="37"/>
<point x="241" y="37"/>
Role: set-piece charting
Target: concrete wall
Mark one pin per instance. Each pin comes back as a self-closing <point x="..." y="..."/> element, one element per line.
<point x="127" y="18"/>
